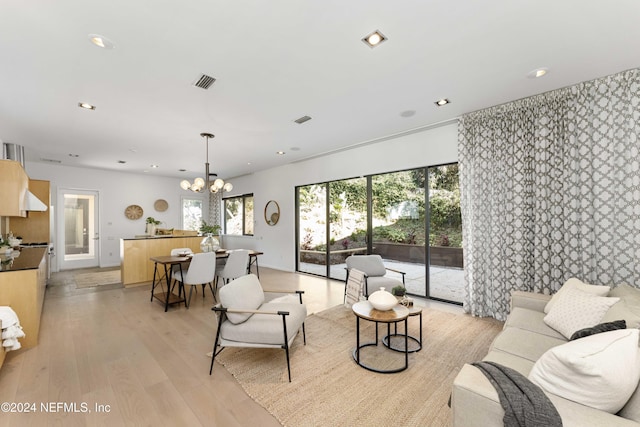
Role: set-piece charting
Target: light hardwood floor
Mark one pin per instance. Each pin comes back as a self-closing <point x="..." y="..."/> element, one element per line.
<point x="113" y="348"/>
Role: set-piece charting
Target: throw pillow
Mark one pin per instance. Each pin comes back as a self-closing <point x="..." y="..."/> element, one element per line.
<point x="600" y="371"/>
<point x="598" y="329"/>
<point x="628" y="308"/>
<point x="574" y="283"/>
<point x="244" y="293"/>
<point x="577" y="310"/>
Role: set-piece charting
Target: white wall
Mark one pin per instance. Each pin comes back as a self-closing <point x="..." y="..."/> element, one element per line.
<point x="119" y="190"/>
<point x="432" y="147"/>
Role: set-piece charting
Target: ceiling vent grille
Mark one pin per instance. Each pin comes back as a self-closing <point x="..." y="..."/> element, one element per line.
<point x="302" y="119"/>
<point x="43" y="159"/>
<point x="204" y="81"/>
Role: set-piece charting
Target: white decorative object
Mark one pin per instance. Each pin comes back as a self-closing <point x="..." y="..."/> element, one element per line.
<point x="574" y="283"/>
<point x="382" y="300"/>
<point x="600" y="371"/>
<point x="209" y="243"/>
<point x="577" y="310"/>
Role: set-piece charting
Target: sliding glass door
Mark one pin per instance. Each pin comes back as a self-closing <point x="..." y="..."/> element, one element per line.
<point x="386" y="214"/>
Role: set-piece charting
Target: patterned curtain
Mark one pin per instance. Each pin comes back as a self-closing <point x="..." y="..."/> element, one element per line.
<point x="550" y="189"/>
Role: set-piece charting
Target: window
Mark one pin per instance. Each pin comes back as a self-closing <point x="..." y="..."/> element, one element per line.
<point x="238" y="215"/>
<point x="191" y="213"/>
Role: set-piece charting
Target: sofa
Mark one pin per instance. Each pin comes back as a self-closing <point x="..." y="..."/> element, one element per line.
<point x="527" y="343"/>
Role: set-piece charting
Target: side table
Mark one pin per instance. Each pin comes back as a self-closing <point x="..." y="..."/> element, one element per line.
<point x="387" y="341"/>
<point x="364" y="310"/>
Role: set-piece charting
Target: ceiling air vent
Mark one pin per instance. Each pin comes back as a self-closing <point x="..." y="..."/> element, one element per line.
<point x="204" y="81"/>
<point x="302" y="119"/>
<point x="43" y="159"/>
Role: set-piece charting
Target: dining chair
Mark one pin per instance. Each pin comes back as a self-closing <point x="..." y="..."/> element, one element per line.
<point x="236" y="266"/>
<point x="184" y="265"/>
<point x="201" y="271"/>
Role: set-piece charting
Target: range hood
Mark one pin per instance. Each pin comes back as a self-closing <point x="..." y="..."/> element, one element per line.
<point x="32" y="203"/>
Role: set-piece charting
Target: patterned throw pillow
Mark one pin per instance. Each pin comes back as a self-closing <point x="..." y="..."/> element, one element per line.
<point x="574" y="283"/>
<point x="602" y="327"/>
<point x="577" y="310"/>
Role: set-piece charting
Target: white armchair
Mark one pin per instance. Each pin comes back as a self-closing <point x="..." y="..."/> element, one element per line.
<point x="246" y="320"/>
<point x="375" y="273"/>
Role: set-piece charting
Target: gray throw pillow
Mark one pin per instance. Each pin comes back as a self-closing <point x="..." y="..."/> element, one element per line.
<point x="602" y="327"/>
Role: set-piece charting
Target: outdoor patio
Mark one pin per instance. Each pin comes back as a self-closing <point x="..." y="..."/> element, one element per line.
<point x="446" y="282"/>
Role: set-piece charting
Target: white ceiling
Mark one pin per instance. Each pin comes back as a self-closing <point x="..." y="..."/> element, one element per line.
<point x="274" y="62"/>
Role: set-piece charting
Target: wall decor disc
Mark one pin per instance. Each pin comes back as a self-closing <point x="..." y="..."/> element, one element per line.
<point x="161" y="205"/>
<point x="133" y="212"/>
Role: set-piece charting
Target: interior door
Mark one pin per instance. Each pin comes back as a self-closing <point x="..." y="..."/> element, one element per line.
<point x="79" y="239"/>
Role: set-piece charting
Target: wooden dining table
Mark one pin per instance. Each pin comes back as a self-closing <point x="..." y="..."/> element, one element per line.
<point x="163" y="265"/>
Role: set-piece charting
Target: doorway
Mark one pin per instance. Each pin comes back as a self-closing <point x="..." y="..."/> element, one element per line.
<point x="78" y="243"/>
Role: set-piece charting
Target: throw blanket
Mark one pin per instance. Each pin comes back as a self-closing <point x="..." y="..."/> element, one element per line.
<point x="524" y="403"/>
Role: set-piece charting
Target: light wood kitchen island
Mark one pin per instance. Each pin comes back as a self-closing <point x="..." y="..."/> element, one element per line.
<point x="135" y="265"/>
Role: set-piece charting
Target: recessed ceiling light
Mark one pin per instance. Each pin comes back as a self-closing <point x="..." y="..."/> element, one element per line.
<point x="154" y="166"/>
<point x="182" y="170"/>
<point x="538" y="72"/>
<point x="280" y="153"/>
<point x="122" y="162"/>
<point x="86" y="106"/>
<point x="74" y="155"/>
<point x="374" y="39"/>
<point x="441" y="102"/>
<point x="408" y="113"/>
<point x="101" y="41"/>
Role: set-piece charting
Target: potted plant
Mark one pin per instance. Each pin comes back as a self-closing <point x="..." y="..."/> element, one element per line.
<point x="214" y="229"/>
<point x="399" y="291"/>
<point x="209" y="243"/>
<point x="152" y="223"/>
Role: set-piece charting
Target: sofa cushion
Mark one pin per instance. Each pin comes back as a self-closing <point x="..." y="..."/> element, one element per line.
<point x="531" y="320"/>
<point x="526" y="344"/>
<point x="628" y="308"/>
<point x="598" y="329"/>
<point x="600" y="371"/>
<point x="520" y="364"/>
<point x="574" y="283"/>
<point x="575" y="310"/>
<point x="244" y="293"/>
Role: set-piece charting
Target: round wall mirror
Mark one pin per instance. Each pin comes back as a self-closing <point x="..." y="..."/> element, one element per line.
<point x="272" y="212"/>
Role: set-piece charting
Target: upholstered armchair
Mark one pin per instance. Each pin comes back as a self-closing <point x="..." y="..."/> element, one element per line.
<point x="375" y="273"/>
<point x="246" y="320"/>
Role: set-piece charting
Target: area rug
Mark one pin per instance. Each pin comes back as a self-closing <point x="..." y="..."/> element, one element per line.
<point x="89" y="280"/>
<point x="329" y="389"/>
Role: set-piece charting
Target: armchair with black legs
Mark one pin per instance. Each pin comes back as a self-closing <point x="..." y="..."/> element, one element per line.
<point x="375" y="273"/>
<point x="246" y="320"/>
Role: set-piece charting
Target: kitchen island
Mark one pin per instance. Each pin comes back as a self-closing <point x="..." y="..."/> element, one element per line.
<point x="23" y="280"/>
<point x="135" y="253"/>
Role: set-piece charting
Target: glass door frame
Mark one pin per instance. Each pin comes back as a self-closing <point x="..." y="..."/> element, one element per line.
<point x="68" y="262"/>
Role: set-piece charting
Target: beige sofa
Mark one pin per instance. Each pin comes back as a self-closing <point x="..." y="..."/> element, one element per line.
<point x="524" y="339"/>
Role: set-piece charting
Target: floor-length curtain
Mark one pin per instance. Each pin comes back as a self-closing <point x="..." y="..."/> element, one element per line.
<point x="550" y="189"/>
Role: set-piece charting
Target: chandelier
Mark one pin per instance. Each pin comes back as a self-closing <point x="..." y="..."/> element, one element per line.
<point x="199" y="185"/>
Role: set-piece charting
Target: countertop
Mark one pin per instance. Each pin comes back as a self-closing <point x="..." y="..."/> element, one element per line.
<point x="148" y="237"/>
<point x="24" y="259"/>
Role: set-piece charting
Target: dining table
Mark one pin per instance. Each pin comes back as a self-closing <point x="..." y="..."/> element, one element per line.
<point x="164" y="265"/>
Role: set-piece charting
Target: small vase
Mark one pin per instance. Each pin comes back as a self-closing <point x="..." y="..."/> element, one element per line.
<point x="209" y="243"/>
<point x="151" y="229"/>
<point x="382" y="300"/>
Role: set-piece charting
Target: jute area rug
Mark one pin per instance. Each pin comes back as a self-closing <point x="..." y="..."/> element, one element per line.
<point x="329" y="389"/>
<point x="89" y="280"/>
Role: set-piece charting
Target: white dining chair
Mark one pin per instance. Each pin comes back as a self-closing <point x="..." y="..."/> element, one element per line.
<point x="201" y="271"/>
<point x="236" y="266"/>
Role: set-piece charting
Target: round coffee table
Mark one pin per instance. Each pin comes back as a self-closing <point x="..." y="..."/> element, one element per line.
<point x="364" y="310"/>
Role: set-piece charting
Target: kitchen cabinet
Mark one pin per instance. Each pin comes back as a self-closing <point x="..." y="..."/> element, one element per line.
<point x="22" y="288"/>
<point x="15" y="184"/>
